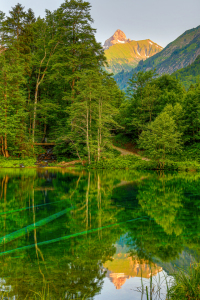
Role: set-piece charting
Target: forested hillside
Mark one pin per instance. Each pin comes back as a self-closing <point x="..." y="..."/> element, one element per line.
<point x="161" y="118"/>
<point x="52" y="87"/>
<point x="177" y="55"/>
<point x="190" y="74"/>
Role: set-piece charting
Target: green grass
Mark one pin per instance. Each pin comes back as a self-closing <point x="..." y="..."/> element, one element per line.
<point x="186" y="284"/>
<point x="133" y="162"/>
<point x="15" y="163"/>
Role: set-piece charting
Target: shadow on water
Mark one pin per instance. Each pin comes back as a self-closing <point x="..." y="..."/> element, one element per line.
<point x="95" y="235"/>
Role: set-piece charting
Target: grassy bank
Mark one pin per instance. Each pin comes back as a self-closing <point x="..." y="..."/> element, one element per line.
<point x="131" y="162"/>
<point x="17" y="163"/>
<point x="186" y="284"/>
<point x="135" y="162"/>
<point x="31" y="163"/>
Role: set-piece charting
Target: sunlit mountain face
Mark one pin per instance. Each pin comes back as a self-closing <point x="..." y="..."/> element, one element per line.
<point x="177" y="55"/>
<point x="123" y="54"/>
<point x="124" y="266"/>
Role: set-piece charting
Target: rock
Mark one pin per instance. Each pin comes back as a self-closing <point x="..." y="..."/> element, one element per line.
<point x="117" y="38"/>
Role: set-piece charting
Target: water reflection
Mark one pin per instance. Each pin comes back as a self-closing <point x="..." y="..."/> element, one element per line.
<point x="93" y="235"/>
<point x="124" y="266"/>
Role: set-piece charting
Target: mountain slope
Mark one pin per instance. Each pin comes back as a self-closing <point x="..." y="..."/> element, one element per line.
<point x="177" y="55"/>
<point x="125" y="56"/>
<point x="190" y="74"/>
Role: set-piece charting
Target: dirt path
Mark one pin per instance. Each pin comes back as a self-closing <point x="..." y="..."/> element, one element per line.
<point x="69" y="164"/>
<point x="126" y="152"/>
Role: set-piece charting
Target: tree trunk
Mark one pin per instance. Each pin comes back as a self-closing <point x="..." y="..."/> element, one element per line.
<point x="5" y="187"/>
<point x="87" y="201"/>
<point x="5" y="137"/>
<point x="87" y="134"/>
<point x="35" y="111"/>
<point x="99" y="131"/>
<point x="99" y="206"/>
<point x="2" y="147"/>
<point x="39" y="80"/>
<point x="6" y="146"/>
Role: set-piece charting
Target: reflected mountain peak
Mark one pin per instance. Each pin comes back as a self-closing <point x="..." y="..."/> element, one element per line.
<point x="123" y="267"/>
<point x="84" y="232"/>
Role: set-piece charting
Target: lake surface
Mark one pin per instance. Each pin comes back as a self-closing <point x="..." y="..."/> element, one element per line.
<point x="95" y="235"/>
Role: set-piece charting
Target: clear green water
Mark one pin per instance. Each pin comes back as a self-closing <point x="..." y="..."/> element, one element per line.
<point x="81" y="235"/>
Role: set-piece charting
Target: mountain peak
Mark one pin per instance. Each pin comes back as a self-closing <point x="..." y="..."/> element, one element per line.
<point x="120" y="35"/>
<point x="117" y="38"/>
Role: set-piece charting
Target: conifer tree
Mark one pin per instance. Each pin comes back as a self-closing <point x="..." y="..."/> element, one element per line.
<point x="78" y="49"/>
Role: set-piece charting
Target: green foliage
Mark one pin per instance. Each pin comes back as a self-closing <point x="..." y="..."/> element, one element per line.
<point x="189" y="75"/>
<point x="150" y="219"/>
<point x="45" y="67"/>
<point x="161" y="138"/>
<point x="121" y="140"/>
<point x="53" y="87"/>
<point x="192" y="152"/>
<point x="120" y="162"/>
<point x="91" y="115"/>
<point x="191" y="106"/>
<point x="17" y="163"/>
<point x="160" y="117"/>
<point x="174" y="56"/>
<point x="186" y="284"/>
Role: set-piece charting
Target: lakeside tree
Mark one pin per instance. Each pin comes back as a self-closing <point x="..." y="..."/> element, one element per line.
<point x="13" y="102"/>
<point x="191" y="106"/>
<point x="50" y="58"/>
<point x="91" y="115"/>
<point x="161" y="138"/>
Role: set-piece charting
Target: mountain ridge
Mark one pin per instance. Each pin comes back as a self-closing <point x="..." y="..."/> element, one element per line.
<point x="176" y="55"/>
<point x="125" y="54"/>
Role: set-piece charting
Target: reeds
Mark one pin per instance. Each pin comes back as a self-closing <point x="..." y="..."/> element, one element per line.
<point x="158" y="288"/>
<point x="186" y="284"/>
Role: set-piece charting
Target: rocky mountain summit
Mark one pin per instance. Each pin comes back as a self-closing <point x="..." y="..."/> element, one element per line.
<point x="124" y="54"/>
<point x="117" y="38"/>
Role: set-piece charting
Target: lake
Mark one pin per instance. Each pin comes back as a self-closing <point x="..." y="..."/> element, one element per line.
<point x="95" y="235"/>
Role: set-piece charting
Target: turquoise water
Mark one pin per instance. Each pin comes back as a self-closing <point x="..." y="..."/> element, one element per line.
<point x="95" y="235"/>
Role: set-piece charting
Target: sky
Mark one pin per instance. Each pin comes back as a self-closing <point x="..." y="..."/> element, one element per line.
<point x="162" y="21"/>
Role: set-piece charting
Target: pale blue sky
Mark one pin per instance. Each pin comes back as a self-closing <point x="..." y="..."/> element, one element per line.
<point x="159" y="20"/>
